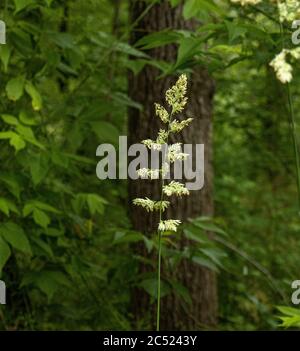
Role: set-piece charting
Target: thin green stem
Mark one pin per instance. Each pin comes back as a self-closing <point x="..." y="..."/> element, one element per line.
<point x="158" y="282"/>
<point x="159" y="241"/>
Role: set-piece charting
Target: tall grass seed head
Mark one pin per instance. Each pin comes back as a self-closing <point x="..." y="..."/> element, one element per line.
<point x="175" y="96"/>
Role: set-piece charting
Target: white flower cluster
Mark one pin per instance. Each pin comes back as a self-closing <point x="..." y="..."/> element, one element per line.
<point x="174" y="153"/>
<point x="151" y="144"/>
<point x="162" y="136"/>
<point x="148" y="173"/>
<point x="162" y="113"/>
<point x="151" y="205"/>
<point x="176" y="126"/>
<point x="176" y="99"/>
<point x="289" y="10"/>
<point x="175" y="96"/>
<point x="246" y="2"/>
<point x="169" y="225"/>
<point x="282" y="68"/>
<point x="147" y="203"/>
<point x="161" y="139"/>
<point x="175" y="188"/>
<point x="165" y="169"/>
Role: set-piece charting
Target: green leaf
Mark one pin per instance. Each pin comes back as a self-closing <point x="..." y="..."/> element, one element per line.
<point x="17" y="142"/>
<point x="204" y="262"/>
<point x="14" y="139"/>
<point x="54" y="232"/>
<point x="5" y="53"/>
<point x="15" y="236"/>
<point x="289" y="311"/>
<point x="196" y="235"/>
<point x="150" y="286"/>
<point x="63" y="40"/>
<point x="106" y="131"/>
<point x="204" y="224"/>
<point x="290" y="317"/>
<point x="215" y="254"/>
<point x="157" y="39"/>
<point x="4" y="253"/>
<point x="21" y="41"/>
<point x="129" y="50"/>
<point x="9" y="119"/>
<point x="36" y="204"/>
<point x="45" y="207"/>
<point x="196" y="8"/>
<point x="96" y="203"/>
<point x="48" y="282"/>
<point x="27" y="119"/>
<point x="7" y="205"/>
<point x="4" y="206"/>
<point x="15" y="88"/>
<point x="127" y="237"/>
<point x="42" y="247"/>
<point x="235" y="31"/>
<point x="49" y="2"/>
<point x="21" y="4"/>
<point x="41" y="218"/>
<point x="35" y="96"/>
<point x="181" y="291"/>
<point x="6" y="135"/>
<point x="27" y="134"/>
<point x="174" y="2"/>
<point x="12" y="183"/>
<point x="39" y="167"/>
<point x="187" y="49"/>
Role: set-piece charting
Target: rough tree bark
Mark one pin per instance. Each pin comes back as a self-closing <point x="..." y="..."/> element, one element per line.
<point x="146" y="89"/>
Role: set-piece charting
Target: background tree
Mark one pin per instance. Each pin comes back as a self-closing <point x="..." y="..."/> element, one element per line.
<point x="146" y="89"/>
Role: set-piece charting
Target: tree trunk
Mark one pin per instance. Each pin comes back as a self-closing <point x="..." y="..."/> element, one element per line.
<point x="146" y="90"/>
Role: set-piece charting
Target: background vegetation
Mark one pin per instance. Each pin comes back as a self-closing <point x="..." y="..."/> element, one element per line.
<point x="66" y="238"/>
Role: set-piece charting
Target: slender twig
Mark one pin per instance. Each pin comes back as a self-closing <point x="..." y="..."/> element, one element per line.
<point x="159" y="242"/>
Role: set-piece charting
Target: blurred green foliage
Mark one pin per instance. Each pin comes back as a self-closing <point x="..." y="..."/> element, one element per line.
<point x="65" y="236"/>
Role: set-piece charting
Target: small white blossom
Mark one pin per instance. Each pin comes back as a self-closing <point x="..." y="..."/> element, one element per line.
<point x="169" y="225"/>
<point x="146" y="203"/>
<point x="161" y="205"/>
<point x="175" y="96"/>
<point x="295" y="53"/>
<point x="289" y="10"/>
<point x="282" y="68"/>
<point x="152" y="145"/>
<point x="165" y="169"/>
<point x="174" y="153"/>
<point x="162" y="113"/>
<point x="162" y="136"/>
<point x="151" y="205"/>
<point x="176" y="126"/>
<point x="142" y="172"/>
<point x="148" y="173"/>
<point x="175" y="188"/>
<point x="246" y="2"/>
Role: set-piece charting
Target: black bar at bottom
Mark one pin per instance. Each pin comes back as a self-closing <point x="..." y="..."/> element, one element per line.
<point x="146" y="340"/>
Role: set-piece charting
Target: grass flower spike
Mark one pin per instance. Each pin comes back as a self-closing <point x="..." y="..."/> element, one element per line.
<point x="246" y="2"/>
<point x="176" y="95"/>
<point x="169" y="225"/>
<point x="176" y="99"/>
<point x="282" y="67"/>
<point x="175" y="188"/>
